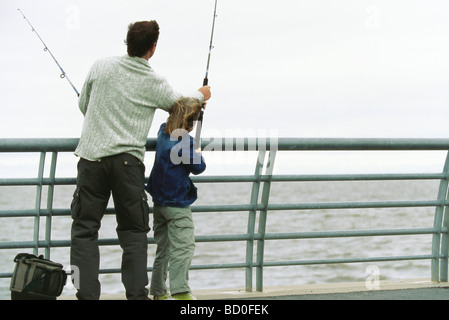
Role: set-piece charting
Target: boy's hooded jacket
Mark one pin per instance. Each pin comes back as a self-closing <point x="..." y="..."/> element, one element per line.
<point x="169" y="183"/>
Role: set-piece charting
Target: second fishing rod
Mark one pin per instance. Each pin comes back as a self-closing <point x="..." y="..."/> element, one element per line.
<point x="63" y="74"/>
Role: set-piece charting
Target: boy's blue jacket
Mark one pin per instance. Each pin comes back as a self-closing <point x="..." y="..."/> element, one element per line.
<point x="169" y="183"/>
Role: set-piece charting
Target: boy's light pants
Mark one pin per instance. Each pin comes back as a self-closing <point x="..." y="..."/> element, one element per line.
<point x="174" y="236"/>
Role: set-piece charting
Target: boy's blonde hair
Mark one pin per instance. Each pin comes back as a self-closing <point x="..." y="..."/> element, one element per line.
<point x="183" y="114"/>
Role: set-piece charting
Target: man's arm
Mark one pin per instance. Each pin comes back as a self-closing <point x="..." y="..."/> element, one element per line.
<point x="205" y="90"/>
<point x="83" y="101"/>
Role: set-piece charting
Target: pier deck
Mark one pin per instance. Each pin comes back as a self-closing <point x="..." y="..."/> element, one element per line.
<point x="416" y="289"/>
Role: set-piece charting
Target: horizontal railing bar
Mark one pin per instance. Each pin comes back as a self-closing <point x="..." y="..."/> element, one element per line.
<point x="351" y="177"/>
<point x="192" y="267"/>
<point x="364" y="144"/>
<point x="345" y="260"/>
<point x="219" y="266"/>
<point x="352" y="233"/>
<point x="320" y="177"/>
<point x="37" y="182"/>
<point x="245" y="237"/>
<point x="279" y="263"/>
<point x="42" y="213"/>
<point x="250" y="178"/>
<point x="356" y="205"/>
<point x="114" y="241"/>
<point x="248" y="144"/>
<point x="224" y="237"/>
<point x="203" y="238"/>
<point x="38" y="144"/>
<point x="321" y="205"/>
<point x="248" y="207"/>
<point x="18" y="245"/>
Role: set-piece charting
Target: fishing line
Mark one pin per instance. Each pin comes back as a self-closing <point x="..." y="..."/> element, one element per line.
<point x="63" y="74"/>
<point x="199" y="123"/>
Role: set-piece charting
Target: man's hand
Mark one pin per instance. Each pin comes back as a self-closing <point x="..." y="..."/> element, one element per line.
<point x="205" y="90"/>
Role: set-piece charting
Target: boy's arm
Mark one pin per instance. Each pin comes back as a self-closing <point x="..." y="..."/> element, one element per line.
<point x="196" y="164"/>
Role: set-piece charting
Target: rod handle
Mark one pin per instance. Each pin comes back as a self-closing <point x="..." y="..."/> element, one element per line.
<point x="200" y="118"/>
<point x="205" y="82"/>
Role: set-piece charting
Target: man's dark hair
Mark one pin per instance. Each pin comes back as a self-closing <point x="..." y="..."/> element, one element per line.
<point x="141" y="37"/>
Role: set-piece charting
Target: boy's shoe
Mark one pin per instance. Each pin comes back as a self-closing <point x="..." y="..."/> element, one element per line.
<point x="164" y="297"/>
<point x="184" y="296"/>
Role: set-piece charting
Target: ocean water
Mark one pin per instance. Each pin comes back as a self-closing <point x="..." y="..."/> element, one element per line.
<point x="21" y="229"/>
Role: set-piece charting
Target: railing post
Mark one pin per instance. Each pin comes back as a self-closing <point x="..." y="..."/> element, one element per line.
<point x="252" y="221"/>
<point x="263" y="221"/>
<point x="50" y="194"/>
<point x="445" y="224"/>
<point x="438" y="219"/>
<point x="37" y="207"/>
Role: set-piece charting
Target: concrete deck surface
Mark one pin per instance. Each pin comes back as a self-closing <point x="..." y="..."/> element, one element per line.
<point x="416" y="289"/>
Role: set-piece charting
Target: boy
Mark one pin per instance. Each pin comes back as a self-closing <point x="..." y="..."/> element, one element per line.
<point x="173" y="192"/>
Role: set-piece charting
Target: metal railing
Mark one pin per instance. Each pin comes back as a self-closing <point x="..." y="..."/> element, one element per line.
<point x="258" y="205"/>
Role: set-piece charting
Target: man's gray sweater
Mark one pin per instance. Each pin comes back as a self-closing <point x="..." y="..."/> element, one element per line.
<point x="118" y="100"/>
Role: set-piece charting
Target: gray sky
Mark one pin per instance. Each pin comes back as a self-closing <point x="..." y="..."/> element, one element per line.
<point x="316" y="68"/>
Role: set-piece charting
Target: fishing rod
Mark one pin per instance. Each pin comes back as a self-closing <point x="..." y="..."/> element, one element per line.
<point x="63" y="74"/>
<point x="199" y="123"/>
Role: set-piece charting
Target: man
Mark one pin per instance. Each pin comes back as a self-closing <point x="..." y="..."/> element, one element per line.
<point x="118" y="100"/>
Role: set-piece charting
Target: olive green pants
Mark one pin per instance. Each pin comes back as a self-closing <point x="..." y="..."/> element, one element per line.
<point x="174" y="236"/>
